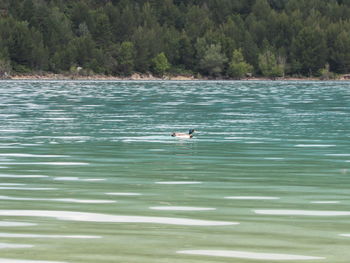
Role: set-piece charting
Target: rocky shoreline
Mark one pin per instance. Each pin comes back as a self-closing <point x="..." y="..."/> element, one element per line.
<point x="135" y="76"/>
<point x="150" y="77"/>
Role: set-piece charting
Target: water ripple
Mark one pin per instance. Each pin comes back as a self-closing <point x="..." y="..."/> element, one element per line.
<point x="181" y="208"/>
<point x="65" y="200"/>
<point x="252" y="197"/>
<point x="8" y="245"/>
<point x="247" y="255"/>
<point x="15" y="224"/>
<point x="95" y="217"/>
<point x="302" y="213"/>
<point x="179" y="182"/>
<point x="11" y="235"/>
<point x="6" y="260"/>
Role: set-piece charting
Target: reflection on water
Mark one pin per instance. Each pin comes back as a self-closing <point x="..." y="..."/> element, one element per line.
<point x="89" y="172"/>
<point x="7" y="260"/>
<point x="303" y="213"/>
<point x="7" y="245"/>
<point x="15" y="224"/>
<point x="77" y="216"/>
<point x="181" y="208"/>
<point x="69" y="200"/>
<point x="248" y="255"/>
<point x="44" y="236"/>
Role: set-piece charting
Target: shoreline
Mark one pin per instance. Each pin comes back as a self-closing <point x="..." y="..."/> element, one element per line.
<point x="133" y="77"/>
<point x="149" y="77"/>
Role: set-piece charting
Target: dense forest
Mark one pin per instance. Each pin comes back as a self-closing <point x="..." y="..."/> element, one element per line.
<point x="214" y="38"/>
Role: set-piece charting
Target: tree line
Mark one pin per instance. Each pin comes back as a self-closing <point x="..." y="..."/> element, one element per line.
<point x="214" y="38"/>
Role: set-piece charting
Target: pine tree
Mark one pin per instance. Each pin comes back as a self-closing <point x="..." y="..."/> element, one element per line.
<point x="340" y="53"/>
<point x="213" y="61"/>
<point x="309" y="51"/>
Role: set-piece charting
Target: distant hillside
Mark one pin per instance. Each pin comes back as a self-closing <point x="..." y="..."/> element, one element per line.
<point x="215" y="38"/>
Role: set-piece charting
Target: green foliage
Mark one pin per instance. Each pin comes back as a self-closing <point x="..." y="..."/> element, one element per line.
<point x="309" y="51"/>
<point x="5" y="68"/>
<point x="269" y="66"/>
<point x="213" y="61"/>
<point x="250" y="50"/>
<point x="340" y="53"/>
<point x="160" y="64"/>
<point x="126" y="58"/>
<point x="238" y="68"/>
<point x="120" y="37"/>
<point x="186" y="52"/>
<point x="325" y="74"/>
<point x="101" y="29"/>
<point x="58" y="30"/>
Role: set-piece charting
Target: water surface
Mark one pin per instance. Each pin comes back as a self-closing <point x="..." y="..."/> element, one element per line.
<point x="89" y="172"/>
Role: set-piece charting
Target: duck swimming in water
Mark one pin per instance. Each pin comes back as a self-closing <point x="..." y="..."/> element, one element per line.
<point x="183" y="135"/>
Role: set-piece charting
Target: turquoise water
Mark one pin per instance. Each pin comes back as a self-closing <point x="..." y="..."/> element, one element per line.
<point x="90" y="173"/>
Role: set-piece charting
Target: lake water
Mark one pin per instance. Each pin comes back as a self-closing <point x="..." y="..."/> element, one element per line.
<point x="89" y="172"/>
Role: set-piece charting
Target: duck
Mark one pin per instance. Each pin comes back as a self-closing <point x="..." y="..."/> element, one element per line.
<point x="184" y="135"/>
